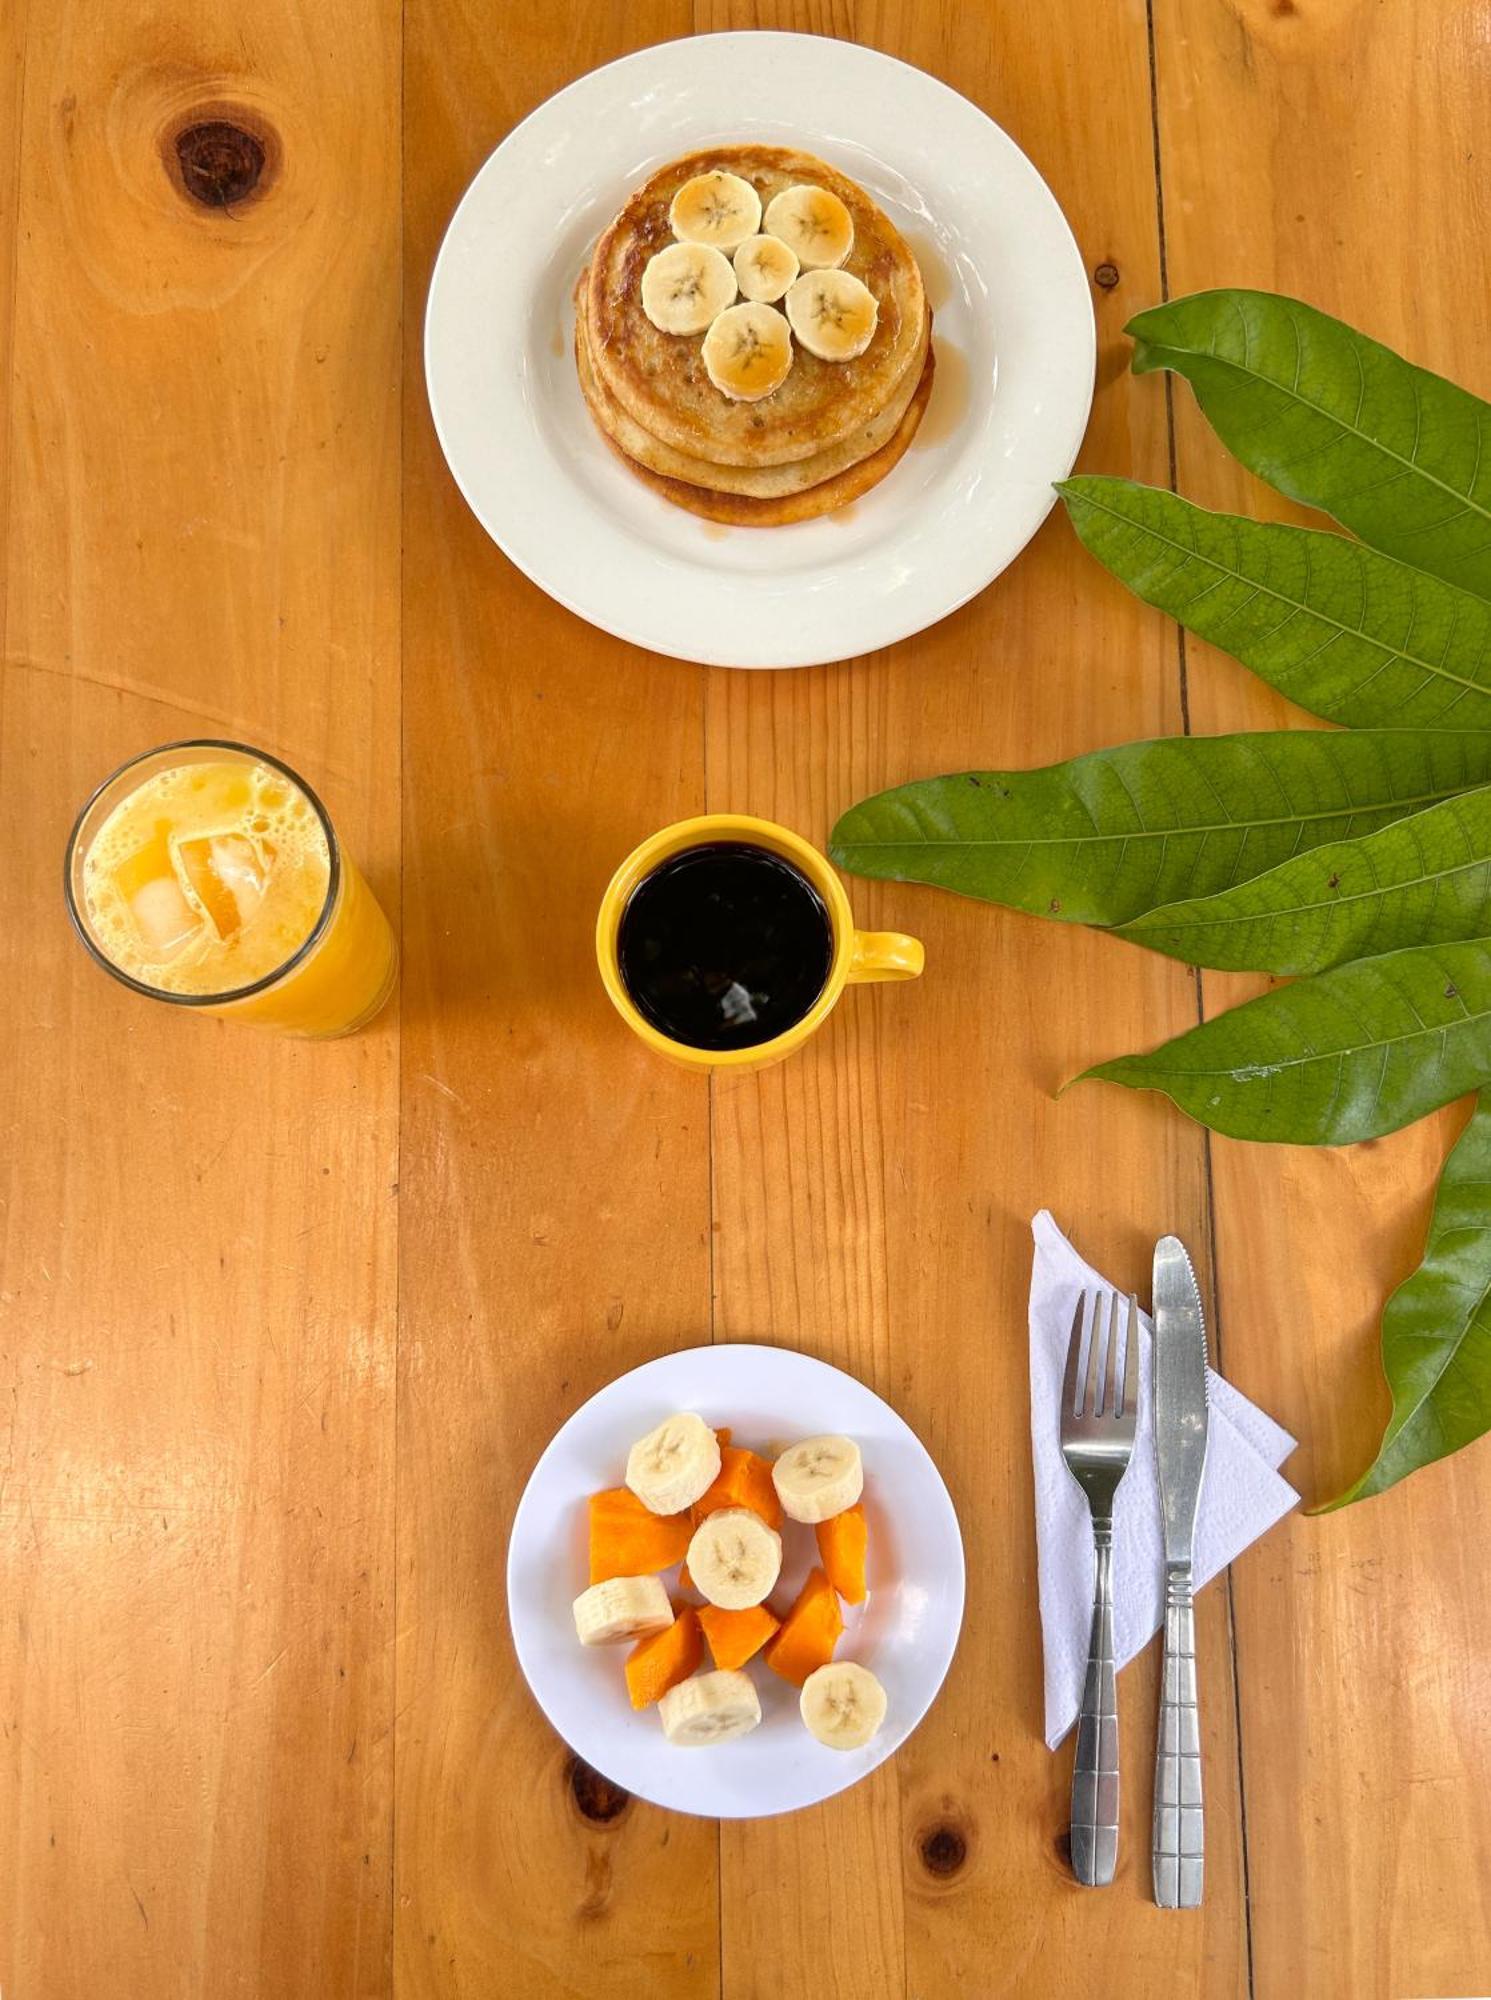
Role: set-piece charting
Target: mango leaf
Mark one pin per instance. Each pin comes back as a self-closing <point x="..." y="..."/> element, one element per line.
<point x="1421" y="880"/>
<point x="1346" y="632"/>
<point x="1350" y="1054"/>
<point x="1106" y="836"/>
<point x="1436" y="1328"/>
<point x="1401" y="456"/>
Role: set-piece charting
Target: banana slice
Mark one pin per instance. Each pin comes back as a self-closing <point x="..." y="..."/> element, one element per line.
<point x="818" y="1478"/>
<point x="686" y="286"/>
<point x="734" y="1558"/>
<point x="842" y="1704"/>
<point x="710" y="1708"/>
<point x="747" y="352"/>
<point x="764" y="267"/>
<point x="814" y="224"/>
<point x="716" y="208"/>
<point x="832" y="314"/>
<point x="672" y="1466"/>
<point x="627" y="1607"/>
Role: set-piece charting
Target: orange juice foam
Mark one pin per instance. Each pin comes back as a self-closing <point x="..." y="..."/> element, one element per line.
<point x="207" y="877"/>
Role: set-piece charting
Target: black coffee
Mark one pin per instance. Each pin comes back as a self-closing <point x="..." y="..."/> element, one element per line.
<point x="724" y="946"/>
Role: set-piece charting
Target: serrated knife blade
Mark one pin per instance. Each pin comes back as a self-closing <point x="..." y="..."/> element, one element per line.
<point x="1179" y="1394"/>
<point x="1179" y="1376"/>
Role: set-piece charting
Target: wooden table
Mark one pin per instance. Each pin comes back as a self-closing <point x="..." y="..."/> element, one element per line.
<point x="285" y="1326"/>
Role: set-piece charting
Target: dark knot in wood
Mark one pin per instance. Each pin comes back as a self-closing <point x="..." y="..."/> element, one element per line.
<point x="1106" y="275"/>
<point x="599" y="1801"/>
<point x="943" y="1851"/>
<point x="221" y="163"/>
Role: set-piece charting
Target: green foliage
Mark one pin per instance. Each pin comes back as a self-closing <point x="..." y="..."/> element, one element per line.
<point x="1105" y="837"/>
<point x="1351" y="635"/>
<point x="1421" y="880"/>
<point x="1436" y="1328"/>
<point x="1350" y="1054"/>
<point x="1362" y="861"/>
<point x="1399" y="456"/>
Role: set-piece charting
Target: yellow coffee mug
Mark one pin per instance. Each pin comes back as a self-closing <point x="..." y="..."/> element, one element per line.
<point x="858" y="956"/>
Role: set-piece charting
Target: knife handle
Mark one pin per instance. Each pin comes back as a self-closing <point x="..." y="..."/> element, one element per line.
<point x="1095" y="1773"/>
<point x="1177" y="1848"/>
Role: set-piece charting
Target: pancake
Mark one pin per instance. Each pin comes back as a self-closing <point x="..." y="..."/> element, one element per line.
<point x="659" y="379"/>
<point x="767" y="482"/>
<point x="739" y="510"/>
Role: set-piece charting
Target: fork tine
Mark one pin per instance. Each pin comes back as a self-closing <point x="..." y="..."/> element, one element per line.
<point x="1105" y="1366"/>
<point x="1110" y="1361"/>
<point x="1090" y="1401"/>
<point x="1131" y="1359"/>
<point x="1073" y="1355"/>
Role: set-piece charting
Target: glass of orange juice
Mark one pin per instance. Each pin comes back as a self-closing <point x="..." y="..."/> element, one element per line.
<point x="209" y="875"/>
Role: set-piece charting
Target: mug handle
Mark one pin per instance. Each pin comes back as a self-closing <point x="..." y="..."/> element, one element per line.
<point x="881" y="955"/>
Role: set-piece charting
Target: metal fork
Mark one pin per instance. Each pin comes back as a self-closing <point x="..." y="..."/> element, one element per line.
<point x="1097" y="1438"/>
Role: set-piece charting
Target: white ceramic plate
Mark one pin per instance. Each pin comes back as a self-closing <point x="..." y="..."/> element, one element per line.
<point x="905" y="1632"/>
<point x="1013" y="329"/>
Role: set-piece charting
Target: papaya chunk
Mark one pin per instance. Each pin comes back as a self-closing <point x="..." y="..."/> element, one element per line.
<point x="662" y="1660"/>
<point x="744" y="1480"/>
<point x="842" y="1543"/>
<point x="809" y="1633"/>
<point x="736" y="1636"/>
<point x="627" y="1540"/>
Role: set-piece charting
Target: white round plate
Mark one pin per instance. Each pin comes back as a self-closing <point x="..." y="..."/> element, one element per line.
<point x="905" y="1632"/>
<point x="1013" y="331"/>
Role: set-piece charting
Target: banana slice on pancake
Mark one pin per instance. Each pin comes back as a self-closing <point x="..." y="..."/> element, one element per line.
<point x="832" y="314"/>
<point x="719" y="209"/>
<point x="814" y="224"/>
<point x="764" y="267"/>
<point x="686" y="286"/>
<point x="748" y="352"/>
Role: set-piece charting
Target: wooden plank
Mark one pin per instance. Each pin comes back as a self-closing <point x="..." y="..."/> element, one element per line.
<point x="1328" y="149"/>
<point x="554" y="1189"/>
<point x="12" y="76"/>
<point x="196" y="1301"/>
<point x="872" y="1198"/>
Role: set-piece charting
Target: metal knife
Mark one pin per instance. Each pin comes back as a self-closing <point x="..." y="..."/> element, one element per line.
<point x="1180" y="1445"/>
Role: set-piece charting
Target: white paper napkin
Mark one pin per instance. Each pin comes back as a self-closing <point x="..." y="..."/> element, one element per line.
<point x="1242" y="1494"/>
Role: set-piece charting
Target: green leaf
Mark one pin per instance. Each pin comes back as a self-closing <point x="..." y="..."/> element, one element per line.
<point x="1421" y="880"/>
<point x="1401" y="456"/>
<point x="1350" y="1054"/>
<point x="1436" y="1328"/>
<point x="1106" y="836"/>
<point x="1347" y="633"/>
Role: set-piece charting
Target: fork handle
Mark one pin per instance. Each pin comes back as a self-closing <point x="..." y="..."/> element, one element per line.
<point x="1095" y="1773"/>
<point x="1177" y="1847"/>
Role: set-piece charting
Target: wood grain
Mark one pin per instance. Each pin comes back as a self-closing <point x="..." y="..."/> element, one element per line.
<point x="1362" y="1636"/>
<point x="196" y="1489"/>
<point x="282" y="1329"/>
<point x="555" y="1181"/>
<point x="873" y="1199"/>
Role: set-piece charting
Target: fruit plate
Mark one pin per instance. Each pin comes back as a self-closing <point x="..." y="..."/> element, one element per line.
<point x="905" y="1632"/>
<point x="1013" y="329"/>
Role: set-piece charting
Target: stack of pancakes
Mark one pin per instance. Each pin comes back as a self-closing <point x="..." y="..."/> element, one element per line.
<point x="829" y="433"/>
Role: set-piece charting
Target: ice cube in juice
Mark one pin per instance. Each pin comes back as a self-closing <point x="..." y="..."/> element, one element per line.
<point x="227" y="874"/>
<point x="162" y="918"/>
